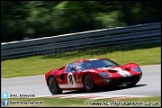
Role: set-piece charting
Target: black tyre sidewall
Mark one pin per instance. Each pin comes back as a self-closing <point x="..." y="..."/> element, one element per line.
<point x="85" y="85"/>
<point x="57" y="90"/>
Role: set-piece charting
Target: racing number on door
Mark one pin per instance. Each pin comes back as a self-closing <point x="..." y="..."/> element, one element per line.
<point x="70" y="78"/>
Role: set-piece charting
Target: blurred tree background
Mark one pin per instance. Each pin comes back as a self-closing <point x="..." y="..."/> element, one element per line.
<point x="34" y="19"/>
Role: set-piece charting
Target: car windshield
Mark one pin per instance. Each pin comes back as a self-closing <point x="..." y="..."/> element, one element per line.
<point x="96" y="64"/>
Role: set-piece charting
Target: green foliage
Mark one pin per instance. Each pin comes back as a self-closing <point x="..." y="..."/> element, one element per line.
<point x="35" y="19"/>
<point x="39" y="20"/>
<point x="74" y="16"/>
<point x="111" y="19"/>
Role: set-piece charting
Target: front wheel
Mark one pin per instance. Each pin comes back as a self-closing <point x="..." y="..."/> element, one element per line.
<point x="88" y="83"/>
<point x="53" y="86"/>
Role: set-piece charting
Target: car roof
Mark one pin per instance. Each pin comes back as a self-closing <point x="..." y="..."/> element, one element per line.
<point x="85" y="60"/>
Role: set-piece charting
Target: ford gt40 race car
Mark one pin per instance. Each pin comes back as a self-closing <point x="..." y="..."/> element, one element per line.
<point x="89" y="74"/>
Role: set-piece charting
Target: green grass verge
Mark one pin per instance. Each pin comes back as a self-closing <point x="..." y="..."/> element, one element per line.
<point x="144" y="54"/>
<point x="76" y="102"/>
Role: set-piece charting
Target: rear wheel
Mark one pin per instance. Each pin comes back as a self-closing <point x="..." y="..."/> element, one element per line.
<point x="53" y="86"/>
<point x="88" y="83"/>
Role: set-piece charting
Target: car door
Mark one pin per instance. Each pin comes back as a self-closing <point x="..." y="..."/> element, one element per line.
<point x="68" y="77"/>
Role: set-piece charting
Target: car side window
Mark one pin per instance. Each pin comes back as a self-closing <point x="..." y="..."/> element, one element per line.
<point x="70" y="66"/>
<point x="82" y="66"/>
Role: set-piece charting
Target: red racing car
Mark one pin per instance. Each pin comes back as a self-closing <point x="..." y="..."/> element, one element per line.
<point x="89" y="74"/>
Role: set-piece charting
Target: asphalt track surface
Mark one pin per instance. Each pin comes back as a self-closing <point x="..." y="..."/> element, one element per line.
<point x="149" y="85"/>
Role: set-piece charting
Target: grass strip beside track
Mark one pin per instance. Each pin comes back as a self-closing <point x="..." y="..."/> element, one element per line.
<point x="78" y="102"/>
<point x="144" y="54"/>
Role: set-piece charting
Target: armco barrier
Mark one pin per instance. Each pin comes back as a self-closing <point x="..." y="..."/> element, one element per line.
<point x="141" y="33"/>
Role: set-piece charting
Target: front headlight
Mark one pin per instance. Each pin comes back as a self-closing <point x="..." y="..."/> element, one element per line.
<point x="137" y="69"/>
<point x="104" y="74"/>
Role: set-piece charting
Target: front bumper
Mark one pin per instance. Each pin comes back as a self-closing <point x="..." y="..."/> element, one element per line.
<point x="118" y="81"/>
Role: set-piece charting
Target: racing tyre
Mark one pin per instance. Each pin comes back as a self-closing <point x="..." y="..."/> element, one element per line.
<point x="53" y="86"/>
<point x="88" y="83"/>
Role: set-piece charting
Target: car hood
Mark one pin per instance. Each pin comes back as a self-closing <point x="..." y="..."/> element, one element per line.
<point x="111" y="69"/>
